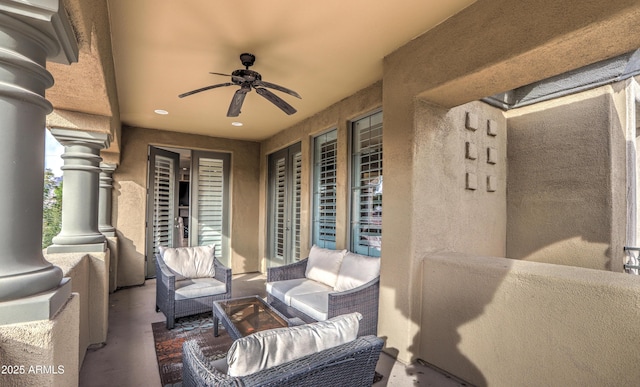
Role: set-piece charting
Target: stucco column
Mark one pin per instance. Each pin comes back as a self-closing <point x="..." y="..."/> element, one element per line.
<point x="80" y="182"/>
<point x="104" y="206"/>
<point x="31" y="288"/>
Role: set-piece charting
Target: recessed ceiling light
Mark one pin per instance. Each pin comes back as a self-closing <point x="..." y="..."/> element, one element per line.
<point x="161" y="112"/>
<point x="236" y="123"/>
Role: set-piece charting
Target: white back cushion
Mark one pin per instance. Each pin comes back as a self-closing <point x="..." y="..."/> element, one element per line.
<point x="356" y="270"/>
<point x="323" y="265"/>
<point x="190" y="262"/>
<point x="269" y="348"/>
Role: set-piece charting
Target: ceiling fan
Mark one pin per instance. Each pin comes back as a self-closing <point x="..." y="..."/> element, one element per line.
<point x="248" y="79"/>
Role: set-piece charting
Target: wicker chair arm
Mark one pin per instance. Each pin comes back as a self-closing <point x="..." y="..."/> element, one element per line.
<point x="165" y="275"/>
<point x="355" y="291"/>
<point x="363" y="299"/>
<point x="223" y="273"/>
<point x="197" y="370"/>
<point x="287" y="272"/>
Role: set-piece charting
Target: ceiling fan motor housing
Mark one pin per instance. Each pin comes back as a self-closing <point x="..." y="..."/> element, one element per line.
<point x="248" y="75"/>
<point x="247" y="59"/>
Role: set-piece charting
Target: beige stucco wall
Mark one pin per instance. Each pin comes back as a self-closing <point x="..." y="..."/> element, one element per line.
<point x="129" y="202"/>
<point x="90" y="280"/>
<point x="503" y="322"/>
<point x="337" y="116"/>
<point x="567" y="180"/>
<point x="52" y="344"/>
<point x="428" y="206"/>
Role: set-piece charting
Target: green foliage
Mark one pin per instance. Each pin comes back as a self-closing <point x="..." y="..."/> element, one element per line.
<point x="52" y="208"/>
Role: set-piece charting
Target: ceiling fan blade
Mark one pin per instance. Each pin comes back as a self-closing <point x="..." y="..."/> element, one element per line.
<point x="279" y="102"/>
<point x="276" y="87"/>
<point x="188" y="93"/>
<point x="237" y="100"/>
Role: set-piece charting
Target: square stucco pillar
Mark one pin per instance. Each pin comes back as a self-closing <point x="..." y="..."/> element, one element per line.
<point x="31" y="33"/>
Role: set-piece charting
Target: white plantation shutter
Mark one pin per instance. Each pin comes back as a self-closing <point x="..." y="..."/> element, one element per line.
<point x="366" y="186"/>
<point x="163" y="200"/>
<point x="280" y="208"/>
<point x="284" y="198"/>
<point x="324" y="190"/>
<point x="209" y="202"/>
<point x="297" y="187"/>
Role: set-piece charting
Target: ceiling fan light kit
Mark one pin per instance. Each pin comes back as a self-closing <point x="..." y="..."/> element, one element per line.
<point x="248" y="79"/>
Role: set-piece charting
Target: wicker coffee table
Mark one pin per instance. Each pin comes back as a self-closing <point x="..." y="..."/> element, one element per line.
<point x="244" y="316"/>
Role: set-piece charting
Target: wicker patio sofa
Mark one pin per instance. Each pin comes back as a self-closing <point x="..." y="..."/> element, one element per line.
<point x="349" y="363"/>
<point x="327" y="284"/>
<point x="189" y="287"/>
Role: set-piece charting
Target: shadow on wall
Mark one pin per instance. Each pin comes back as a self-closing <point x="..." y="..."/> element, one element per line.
<point x="449" y="302"/>
<point x="565" y="204"/>
<point x="131" y="263"/>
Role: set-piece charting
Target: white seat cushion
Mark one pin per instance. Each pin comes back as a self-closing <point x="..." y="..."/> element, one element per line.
<point x="190" y="262"/>
<point x="314" y="305"/>
<point x="269" y="348"/>
<point x="356" y="270"/>
<point x="199" y="287"/>
<point x="284" y="290"/>
<point x="323" y="265"/>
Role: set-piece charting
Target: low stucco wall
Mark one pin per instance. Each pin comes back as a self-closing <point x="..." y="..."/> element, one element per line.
<point x="502" y="322"/>
<point x="90" y="279"/>
<point x="42" y="353"/>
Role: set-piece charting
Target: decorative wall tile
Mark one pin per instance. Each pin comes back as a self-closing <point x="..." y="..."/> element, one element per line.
<point x="471" y="151"/>
<point x="471" y="121"/>
<point x="492" y="155"/>
<point x="492" y="128"/>
<point x="491" y="183"/>
<point x="471" y="181"/>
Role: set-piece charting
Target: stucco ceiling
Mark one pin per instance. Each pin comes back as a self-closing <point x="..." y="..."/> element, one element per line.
<point x="325" y="51"/>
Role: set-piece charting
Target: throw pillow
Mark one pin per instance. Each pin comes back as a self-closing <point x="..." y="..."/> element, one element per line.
<point x="191" y="262"/>
<point x="323" y="265"/>
<point x="272" y="347"/>
<point x="356" y="270"/>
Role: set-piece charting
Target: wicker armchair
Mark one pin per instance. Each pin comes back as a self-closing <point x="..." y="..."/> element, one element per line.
<point x="352" y="364"/>
<point x="166" y="293"/>
<point x="363" y="299"/>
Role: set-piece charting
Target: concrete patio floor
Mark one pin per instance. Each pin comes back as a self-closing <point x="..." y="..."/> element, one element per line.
<point x="129" y="359"/>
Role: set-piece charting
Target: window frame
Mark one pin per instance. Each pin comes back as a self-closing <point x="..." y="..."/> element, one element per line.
<point x="314" y="175"/>
<point x="351" y="178"/>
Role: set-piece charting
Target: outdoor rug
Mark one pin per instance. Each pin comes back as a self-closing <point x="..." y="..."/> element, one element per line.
<point x="168" y="344"/>
<point x="199" y="327"/>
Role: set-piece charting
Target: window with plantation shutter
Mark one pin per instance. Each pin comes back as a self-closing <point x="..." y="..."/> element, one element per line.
<point x="324" y="189"/>
<point x="209" y="202"/>
<point x="280" y="208"/>
<point x="366" y="185"/>
<point x="163" y="199"/>
<point x="162" y="203"/>
<point x="297" y="187"/>
<point x="284" y="195"/>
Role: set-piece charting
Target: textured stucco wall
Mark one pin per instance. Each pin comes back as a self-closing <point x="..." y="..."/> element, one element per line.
<point x="90" y="280"/>
<point x="337" y="116"/>
<point x="503" y="322"/>
<point x="567" y="187"/>
<point x="129" y="202"/>
<point x="47" y="350"/>
<point x="442" y="193"/>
